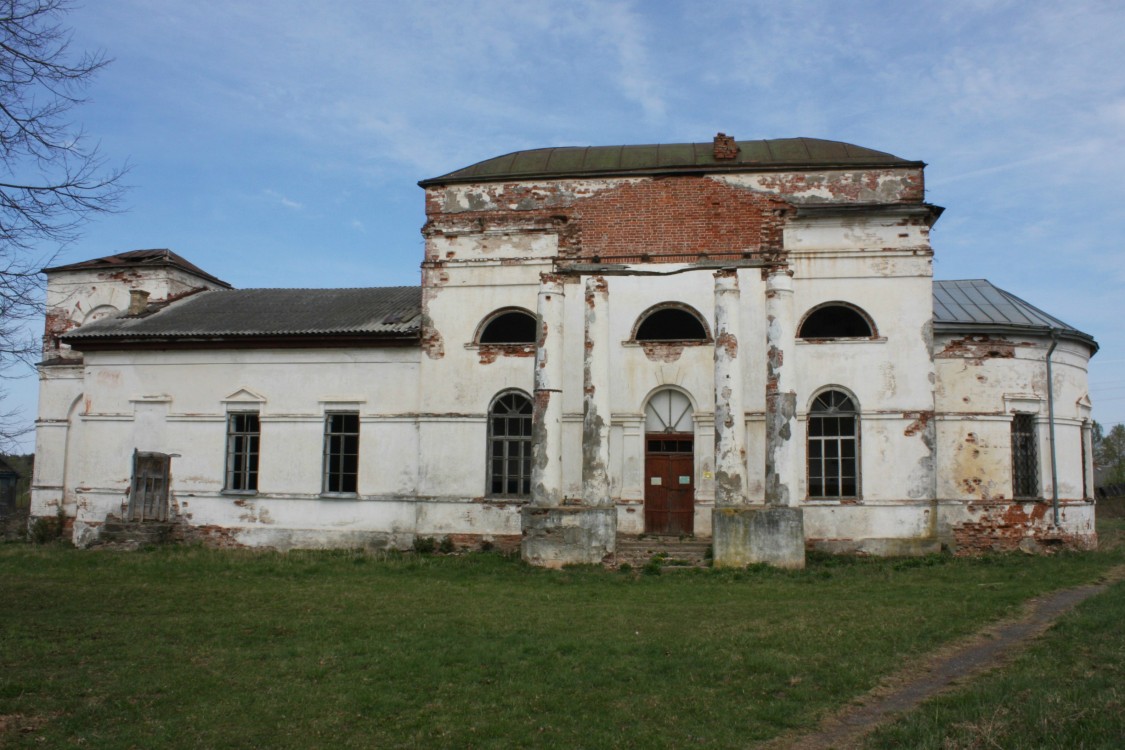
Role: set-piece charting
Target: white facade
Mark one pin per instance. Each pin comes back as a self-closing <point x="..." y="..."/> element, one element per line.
<point x="935" y="397"/>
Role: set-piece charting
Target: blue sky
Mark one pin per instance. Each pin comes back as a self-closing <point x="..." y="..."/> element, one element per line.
<point x="278" y="144"/>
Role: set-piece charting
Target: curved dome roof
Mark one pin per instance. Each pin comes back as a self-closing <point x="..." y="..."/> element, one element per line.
<point x="602" y="161"/>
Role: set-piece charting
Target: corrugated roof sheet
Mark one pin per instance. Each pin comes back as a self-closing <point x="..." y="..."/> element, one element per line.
<point x="396" y="312"/>
<point x="584" y="161"/>
<point x="138" y="259"/>
<point x="977" y="302"/>
<point x="385" y="311"/>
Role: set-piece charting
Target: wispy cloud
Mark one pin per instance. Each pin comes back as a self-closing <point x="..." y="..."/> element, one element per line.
<point x="1018" y="106"/>
<point x="280" y="199"/>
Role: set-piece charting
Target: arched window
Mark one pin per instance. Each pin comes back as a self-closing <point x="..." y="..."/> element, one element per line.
<point x="509" y="445"/>
<point x="833" y="446"/>
<point x="668" y="411"/>
<point x="99" y="312"/>
<point x="512" y="326"/>
<point x="671" y="323"/>
<point x="836" y="320"/>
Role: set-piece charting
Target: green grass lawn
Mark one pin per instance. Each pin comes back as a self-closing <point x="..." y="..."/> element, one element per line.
<point x="1066" y="690"/>
<point x="188" y="647"/>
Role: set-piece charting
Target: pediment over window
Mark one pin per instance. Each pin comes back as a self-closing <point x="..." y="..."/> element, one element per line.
<point x="244" y="396"/>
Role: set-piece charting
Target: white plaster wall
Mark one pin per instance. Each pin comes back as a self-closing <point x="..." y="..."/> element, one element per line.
<point x="423" y="410"/>
<point x="978" y="393"/>
<point x="60" y="400"/>
<point x="82" y="291"/>
<point x="833" y="186"/>
<point x="881" y="264"/>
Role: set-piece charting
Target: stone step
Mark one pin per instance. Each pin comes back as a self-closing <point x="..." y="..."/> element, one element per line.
<point x="675" y="551"/>
<point x="116" y="531"/>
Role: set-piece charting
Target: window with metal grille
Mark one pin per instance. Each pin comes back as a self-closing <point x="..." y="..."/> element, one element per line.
<point x="1084" y="435"/>
<point x="833" y="447"/>
<point x="242" y="452"/>
<point x="509" y="445"/>
<point x="341" y="452"/>
<point x="1025" y="456"/>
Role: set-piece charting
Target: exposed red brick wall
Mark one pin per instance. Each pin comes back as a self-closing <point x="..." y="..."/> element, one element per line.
<point x="673" y="219"/>
<point x="724" y="147"/>
<point x="56" y="324"/>
<point x="1002" y="527"/>
<point x="507" y="543"/>
<point x="679" y="218"/>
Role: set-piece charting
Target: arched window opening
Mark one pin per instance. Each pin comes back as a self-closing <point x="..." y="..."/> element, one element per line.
<point x="833" y="450"/>
<point x="669" y="411"/>
<point x="509" y="445"/>
<point x="511" y="327"/>
<point x="671" y="324"/>
<point x="835" y="321"/>
<point x="99" y="312"/>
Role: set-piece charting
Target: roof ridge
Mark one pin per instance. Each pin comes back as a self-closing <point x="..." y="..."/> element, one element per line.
<point x="664" y="158"/>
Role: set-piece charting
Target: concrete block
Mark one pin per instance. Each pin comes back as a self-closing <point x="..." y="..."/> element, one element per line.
<point x="762" y="534"/>
<point x="554" y="537"/>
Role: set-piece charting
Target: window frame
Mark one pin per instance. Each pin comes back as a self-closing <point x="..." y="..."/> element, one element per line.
<point x="822" y="438"/>
<point x="339" y="474"/>
<point x="506" y="442"/>
<point x="249" y="453"/>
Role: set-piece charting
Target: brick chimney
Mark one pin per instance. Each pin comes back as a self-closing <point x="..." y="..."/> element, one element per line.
<point x="138" y="300"/>
<point x="725" y="147"/>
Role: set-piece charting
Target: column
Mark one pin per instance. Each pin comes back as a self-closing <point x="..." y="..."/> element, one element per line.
<point x="730" y="415"/>
<point x="595" y="385"/>
<point x="546" y="421"/>
<point x="557" y="533"/>
<point x="742" y="533"/>
<point x="781" y="395"/>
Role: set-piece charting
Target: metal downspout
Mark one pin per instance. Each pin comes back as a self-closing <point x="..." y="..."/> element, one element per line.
<point x="1051" y="427"/>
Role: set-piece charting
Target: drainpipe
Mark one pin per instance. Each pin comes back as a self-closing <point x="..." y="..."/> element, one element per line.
<point x="1051" y="426"/>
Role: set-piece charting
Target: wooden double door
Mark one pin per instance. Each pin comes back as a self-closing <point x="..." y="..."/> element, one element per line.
<point x="669" y="484"/>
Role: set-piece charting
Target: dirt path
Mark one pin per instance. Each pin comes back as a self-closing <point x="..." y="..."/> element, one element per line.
<point x="943" y="669"/>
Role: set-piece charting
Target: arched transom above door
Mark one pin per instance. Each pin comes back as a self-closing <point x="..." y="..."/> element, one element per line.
<point x="668" y="411"/>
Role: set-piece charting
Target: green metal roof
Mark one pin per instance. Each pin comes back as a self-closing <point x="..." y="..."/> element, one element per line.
<point x="602" y="161"/>
<point x="972" y="305"/>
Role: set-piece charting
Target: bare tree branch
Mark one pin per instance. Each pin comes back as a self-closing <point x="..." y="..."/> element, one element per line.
<point x="52" y="178"/>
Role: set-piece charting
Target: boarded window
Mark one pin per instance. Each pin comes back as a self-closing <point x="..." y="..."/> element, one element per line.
<point x="509" y="445"/>
<point x="671" y="324"/>
<point x="148" y="495"/>
<point x="833" y="447"/>
<point x="513" y="327"/>
<point x="242" y="451"/>
<point x="341" y="452"/>
<point x="1025" y="456"/>
<point x="835" y="322"/>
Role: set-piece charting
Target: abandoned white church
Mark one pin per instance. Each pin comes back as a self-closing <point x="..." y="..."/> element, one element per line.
<point x="736" y="340"/>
